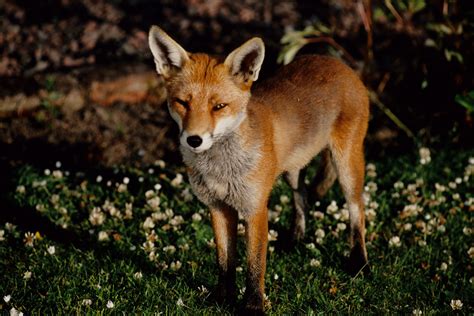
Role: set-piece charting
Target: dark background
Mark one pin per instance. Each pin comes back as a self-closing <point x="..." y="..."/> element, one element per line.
<point x="57" y="55"/>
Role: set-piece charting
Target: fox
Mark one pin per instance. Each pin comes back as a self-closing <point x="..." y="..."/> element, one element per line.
<point x="237" y="139"/>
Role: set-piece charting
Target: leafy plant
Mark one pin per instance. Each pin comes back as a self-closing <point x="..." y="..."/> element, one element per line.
<point x="466" y="101"/>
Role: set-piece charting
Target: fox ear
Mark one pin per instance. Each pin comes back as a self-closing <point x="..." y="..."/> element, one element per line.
<point x="245" y="62"/>
<point x="167" y="53"/>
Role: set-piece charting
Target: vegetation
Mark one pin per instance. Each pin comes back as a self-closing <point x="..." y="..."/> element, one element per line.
<point x="137" y="241"/>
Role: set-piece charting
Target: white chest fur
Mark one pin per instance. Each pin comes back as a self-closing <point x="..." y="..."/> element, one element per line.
<point x="221" y="174"/>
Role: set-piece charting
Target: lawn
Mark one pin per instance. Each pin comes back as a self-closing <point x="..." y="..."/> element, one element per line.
<point x="131" y="241"/>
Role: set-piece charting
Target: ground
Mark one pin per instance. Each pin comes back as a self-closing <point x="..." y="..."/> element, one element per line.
<point x="136" y="240"/>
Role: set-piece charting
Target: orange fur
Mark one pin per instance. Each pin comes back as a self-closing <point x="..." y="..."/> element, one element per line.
<point x="315" y="103"/>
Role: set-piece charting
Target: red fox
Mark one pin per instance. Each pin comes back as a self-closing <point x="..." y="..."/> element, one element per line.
<point x="236" y="142"/>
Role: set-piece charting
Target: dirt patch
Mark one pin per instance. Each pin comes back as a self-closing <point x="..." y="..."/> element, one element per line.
<point x="101" y="118"/>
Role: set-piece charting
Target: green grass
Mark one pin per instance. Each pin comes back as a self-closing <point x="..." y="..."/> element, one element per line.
<point x="428" y="268"/>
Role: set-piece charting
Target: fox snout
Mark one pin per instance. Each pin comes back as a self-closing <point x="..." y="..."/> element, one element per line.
<point x="196" y="142"/>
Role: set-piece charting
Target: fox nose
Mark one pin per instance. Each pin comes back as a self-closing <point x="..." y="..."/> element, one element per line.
<point x="194" y="141"/>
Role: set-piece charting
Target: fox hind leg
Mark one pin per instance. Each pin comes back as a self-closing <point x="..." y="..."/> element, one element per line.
<point x="300" y="199"/>
<point x="350" y="165"/>
<point x="325" y="177"/>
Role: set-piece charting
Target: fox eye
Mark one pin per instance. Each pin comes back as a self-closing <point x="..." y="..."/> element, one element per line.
<point x="183" y="103"/>
<point x="219" y="106"/>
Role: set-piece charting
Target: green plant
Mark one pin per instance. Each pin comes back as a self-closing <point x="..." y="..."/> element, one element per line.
<point x="466" y="101"/>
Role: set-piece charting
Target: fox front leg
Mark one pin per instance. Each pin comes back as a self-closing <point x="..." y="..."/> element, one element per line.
<point x="224" y="223"/>
<point x="256" y="235"/>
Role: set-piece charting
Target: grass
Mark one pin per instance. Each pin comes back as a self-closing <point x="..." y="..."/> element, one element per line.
<point x="85" y="252"/>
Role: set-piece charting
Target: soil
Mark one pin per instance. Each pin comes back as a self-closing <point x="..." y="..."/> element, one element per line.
<point x="77" y="80"/>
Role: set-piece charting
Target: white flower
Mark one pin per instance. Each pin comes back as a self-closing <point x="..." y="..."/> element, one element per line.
<point x="126" y="180"/>
<point x="160" y="163"/>
<point x="148" y="224"/>
<point x="470" y="252"/>
<point x="96" y="217"/>
<point x="425" y="155"/>
<point x="175" y="265"/>
<point x="399" y="185"/>
<point x="177" y="180"/>
<point x="98" y="180"/>
<point x="318" y="215"/>
<point x="407" y="226"/>
<point x="169" y="249"/>
<point x="187" y="195"/>
<point x="417" y="312"/>
<point x="169" y="213"/>
<point x="55" y="199"/>
<point x="15" y="312"/>
<point x="421" y="243"/>
<point x="456" y="304"/>
<point x="128" y="211"/>
<point x="332" y="208"/>
<point x="149" y="194"/>
<point x="272" y="235"/>
<point x="371" y="170"/>
<point x="284" y="199"/>
<point x="370" y="214"/>
<point x="29" y="239"/>
<point x="341" y="227"/>
<point x="51" y="250"/>
<point x="47" y="172"/>
<point x="154" y="203"/>
<point x="196" y="217"/>
<point x="315" y="263"/>
<point x="371" y="187"/>
<point x="466" y="231"/>
<point x="7" y="298"/>
<point x="2" y="235"/>
<point x="344" y="215"/>
<point x="87" y="302"/>
<point x="148" y="246"/>
<point x="103" y="236"/>
<point x="110" y="304"/>
<point x="58" y="174"/>
<point x="180" y="302"/>
<point x="21" y="189"/>
<point x="122" y="188"/>
<point x="271" y="249"/>
<point x="239" y="269"/>
<point x="394" y="242"/>
<point x="177" y="220"/>
<point x="138" y="275"/>
<point x="310" y="246"/>
<point x="203" y="290"/>
<point x="240" y="229"/>
<point x="27" y="275"/>
<point x="320" y="233"/>
<point x="443" y="266"/>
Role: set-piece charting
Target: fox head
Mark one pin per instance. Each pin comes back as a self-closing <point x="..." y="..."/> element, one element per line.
<point x="207" y="96"/>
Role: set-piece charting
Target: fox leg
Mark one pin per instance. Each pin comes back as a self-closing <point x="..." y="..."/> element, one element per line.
<point x="325" y="176"/>
<point x="296" y="181"/>
<point x="256" y="235"/>
<point x="350" y="165"/>
<point x="224" y="223"/>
